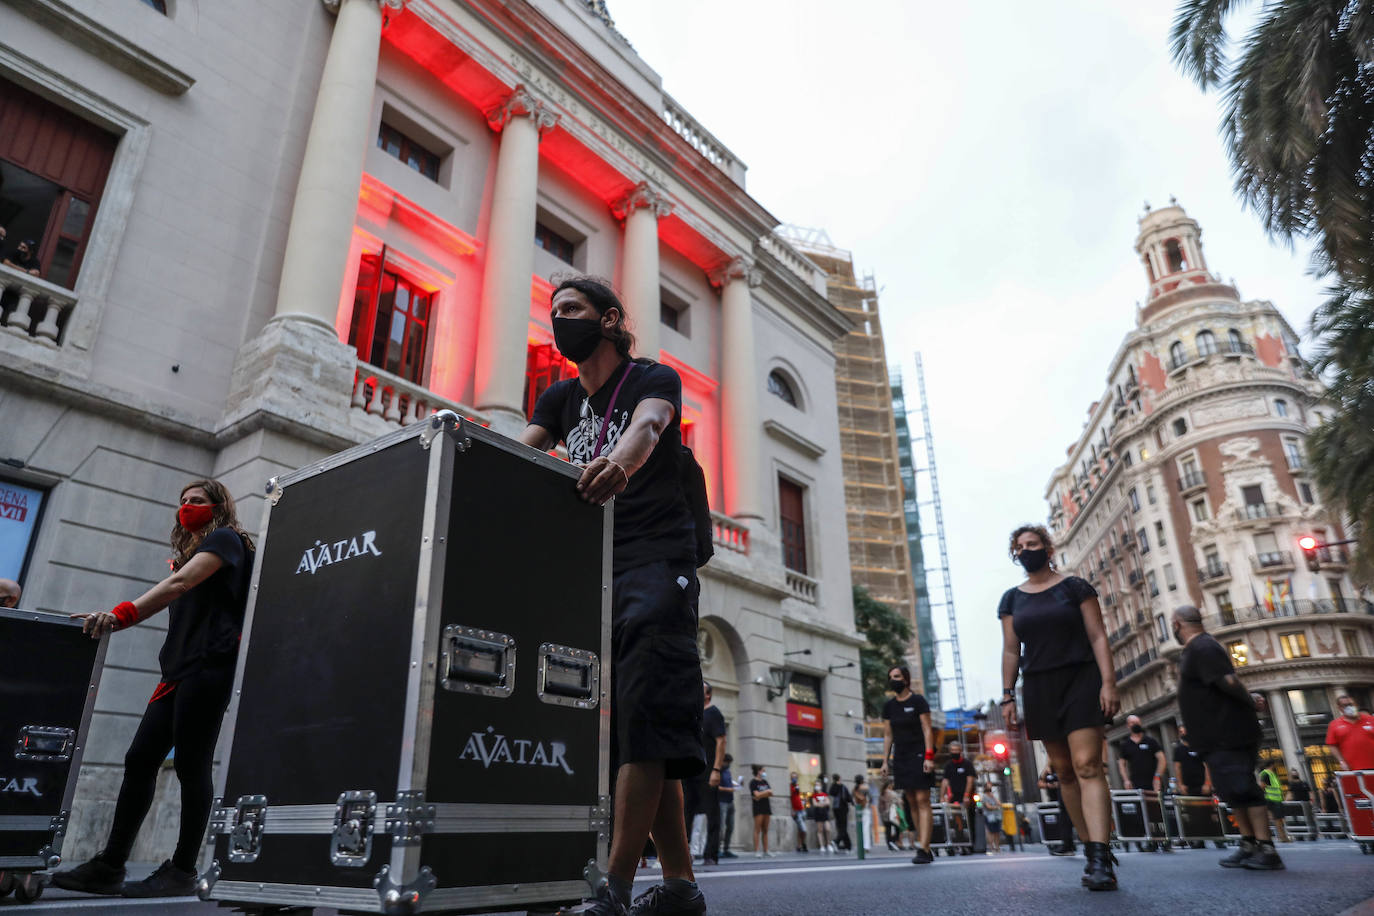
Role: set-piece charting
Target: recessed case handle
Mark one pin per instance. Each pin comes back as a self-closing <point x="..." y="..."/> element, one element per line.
<point x="568" y="676"/>
<point x="477" y="661"/>
<point x="45" y="743"/>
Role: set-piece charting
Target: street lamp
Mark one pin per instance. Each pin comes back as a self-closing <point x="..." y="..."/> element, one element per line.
<point x="780" y="679"/>
<point x="831" y="669"/>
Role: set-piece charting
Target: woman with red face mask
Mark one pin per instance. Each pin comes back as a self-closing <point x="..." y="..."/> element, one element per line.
<point x="205" y="597"/>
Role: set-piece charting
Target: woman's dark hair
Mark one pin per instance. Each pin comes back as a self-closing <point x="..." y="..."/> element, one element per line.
<point x="757" y="768"/>
<point x="906" y="672"/>
<point x="185" y="543"/>
<point x="602" y="297"/>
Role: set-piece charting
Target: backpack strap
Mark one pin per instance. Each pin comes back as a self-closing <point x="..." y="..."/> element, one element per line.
<point x="610" y="406"/>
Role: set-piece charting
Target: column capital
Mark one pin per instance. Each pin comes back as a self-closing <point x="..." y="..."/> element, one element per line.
<point x="642" y="196"/>
<point x="333" y="5"/>
<point x="738" y="268"/>
<point x="521" y="103"/>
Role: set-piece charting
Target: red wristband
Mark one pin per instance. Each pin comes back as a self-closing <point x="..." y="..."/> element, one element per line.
<point x="126" y="614"/>
<point x="930" y="755"/>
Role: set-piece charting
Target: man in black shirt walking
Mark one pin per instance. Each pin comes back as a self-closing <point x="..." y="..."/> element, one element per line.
<point x="1191" y="773"/>
<point x="621" y="420"/>
<point x="702" y="796"/>
<point x="841" y="800"/>
<point x="1220" y="716"/>
<point x="1142" y="764"/>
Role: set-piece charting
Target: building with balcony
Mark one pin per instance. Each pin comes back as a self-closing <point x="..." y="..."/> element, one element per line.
<point x="261" y="243"/>
<point x="1188" y="486"/>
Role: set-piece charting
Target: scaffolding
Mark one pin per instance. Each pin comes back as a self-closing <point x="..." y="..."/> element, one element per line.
<point x="878" y="556"/>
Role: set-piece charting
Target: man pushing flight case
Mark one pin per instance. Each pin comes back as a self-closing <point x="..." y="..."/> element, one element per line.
<point x="420" y="719"/>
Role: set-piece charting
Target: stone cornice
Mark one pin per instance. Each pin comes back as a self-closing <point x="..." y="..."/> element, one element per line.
<point x="798" y="298"/>
<point x="105" y="43"/>
<point x="827" y="632"/>
<point x="737" y="268"/>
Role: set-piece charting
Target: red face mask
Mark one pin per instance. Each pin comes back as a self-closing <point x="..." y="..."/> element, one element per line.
<point x="194" y="517"/>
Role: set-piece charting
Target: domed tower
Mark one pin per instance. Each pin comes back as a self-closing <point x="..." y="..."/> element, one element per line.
<point x="1170" y="248"/>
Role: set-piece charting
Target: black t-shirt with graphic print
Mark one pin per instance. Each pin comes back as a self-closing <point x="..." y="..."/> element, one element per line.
<point x="652" y="520"/>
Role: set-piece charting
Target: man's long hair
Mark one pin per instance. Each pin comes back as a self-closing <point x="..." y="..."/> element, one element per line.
<point x="186" y="543"/>
<point x="603" y="298"/>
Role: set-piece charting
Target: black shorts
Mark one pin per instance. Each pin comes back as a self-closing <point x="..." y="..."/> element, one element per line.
<point x="1233" y="776"/>
<point x="762" y="808"/>
<point x="1062" y="700"/>
<point x="655" y="669"/>
<point x="909" y="770"/>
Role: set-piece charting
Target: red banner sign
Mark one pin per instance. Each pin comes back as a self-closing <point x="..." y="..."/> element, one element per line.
<point x="801" y="716"/>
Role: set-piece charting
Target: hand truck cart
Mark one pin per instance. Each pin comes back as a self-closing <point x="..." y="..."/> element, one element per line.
<point x="1356" y="789"/>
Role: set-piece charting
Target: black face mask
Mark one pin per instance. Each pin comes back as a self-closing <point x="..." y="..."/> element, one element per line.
<point x="1137" y="729"/>
<point x="1033" y="560"/>
<point x="577" y="338"/>
<point x="896" y="686"/>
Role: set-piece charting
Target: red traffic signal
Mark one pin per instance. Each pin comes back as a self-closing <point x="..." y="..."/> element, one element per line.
<point x="1309" y="552"/>
<point x="999" y="749"/>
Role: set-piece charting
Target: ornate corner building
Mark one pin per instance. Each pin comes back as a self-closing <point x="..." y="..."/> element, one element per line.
<point x="262" y="241"/>
<point x="1190" y="485"/>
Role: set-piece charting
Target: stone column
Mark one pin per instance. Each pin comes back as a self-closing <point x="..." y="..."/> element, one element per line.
<point x="739" y="390"/>
<point x="1281" y="714"/>
<point x="326" y="200"/>
<point x="503" y="320"/>
<point x="641" y="209"/>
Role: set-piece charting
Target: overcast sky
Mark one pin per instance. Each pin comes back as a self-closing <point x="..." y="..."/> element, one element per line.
<point x="987" y="162"/>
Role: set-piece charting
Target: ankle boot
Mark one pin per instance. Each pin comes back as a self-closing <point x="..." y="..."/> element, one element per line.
<point x="1100" y="876"/>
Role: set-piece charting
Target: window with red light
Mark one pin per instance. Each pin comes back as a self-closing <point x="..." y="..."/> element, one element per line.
<point x="688" y="433"/>
<point x="53" y="167"/>
<point x="544" y="365"/>
<point x="390" y="326"/>
<point x="792" y="519"/>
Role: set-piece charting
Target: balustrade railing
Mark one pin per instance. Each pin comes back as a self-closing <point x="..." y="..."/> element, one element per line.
<point x="802" y="586"/>
<point x="728" y="534"/>
<point x="33" y="308"/>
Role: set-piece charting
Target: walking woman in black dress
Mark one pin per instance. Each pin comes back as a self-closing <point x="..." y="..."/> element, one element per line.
<point x="205" y="597"/>
<point x="1052" y="630"/>
<point x="909" y="754"/>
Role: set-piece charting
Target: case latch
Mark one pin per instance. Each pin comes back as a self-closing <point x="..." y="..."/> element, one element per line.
<point x="477" y="661"/>
<point x="245" y="840"/>
<point x="45" y="743"/>
<point x="353" y="821"/>
<point x="568" y="676"/>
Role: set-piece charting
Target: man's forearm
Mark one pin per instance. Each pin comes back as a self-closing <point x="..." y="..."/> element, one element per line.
<point x="720" y="753"/>
<point x="635" y="446"/>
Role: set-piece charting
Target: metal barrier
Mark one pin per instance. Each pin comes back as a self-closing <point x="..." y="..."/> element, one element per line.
<point x="1197" y="818"/>
<point x="1331" y="826"/>
<point x="1297" y="820"/>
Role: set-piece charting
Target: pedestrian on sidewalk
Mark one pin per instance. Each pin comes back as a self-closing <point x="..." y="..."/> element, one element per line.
<point x="1273" y="801"/>
<point x="1220" y="715"/>
<point x="992" y="818"/>
<point x="889" y="807"/>
<point x="761" y="793"/>
<point x="863" y="804"/>
<point x="1331" y="800"/>
<point x="1140" y="760"/>
<point x="819" y="805"/>
<point x="205" y="597"/>
<point x="909" y="754"/>
<point x="1052" y="631"/>
<point x="726" y="792"/>
<point x="841" y="800"/>
<point x="620" y="418"/>
<point x="798" y="802"/>
<point x="702" y="795"/>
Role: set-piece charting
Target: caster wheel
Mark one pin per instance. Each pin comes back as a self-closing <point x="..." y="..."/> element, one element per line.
<point x="27" y="888"/>
<point x="6" y="883"/>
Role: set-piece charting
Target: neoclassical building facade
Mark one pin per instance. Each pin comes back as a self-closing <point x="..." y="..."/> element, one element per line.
<point x="1189" y="485"/>
<point x="262" y="242"/>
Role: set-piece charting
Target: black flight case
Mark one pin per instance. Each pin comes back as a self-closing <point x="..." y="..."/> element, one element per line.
<point x="420" y="719"/>
<point x="49" y="672"/>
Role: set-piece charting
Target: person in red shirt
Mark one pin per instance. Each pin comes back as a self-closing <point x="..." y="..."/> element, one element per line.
<point x="1352" y="736"/>
<point x="799" y="814"/>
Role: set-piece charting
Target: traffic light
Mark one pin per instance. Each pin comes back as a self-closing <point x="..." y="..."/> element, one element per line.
<point x="1309" y="552"/>
<point x="1000" y="748"/>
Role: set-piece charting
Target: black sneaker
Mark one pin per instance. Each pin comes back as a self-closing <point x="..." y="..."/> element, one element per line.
<point x="659" y="901"/>
<point x="1264" y="858"/>
<point x="1063" y="849"/>
<point x="1240" y="856"/>
<point x="93" y="877"/>
<point x="728" y="855"/>
<point x="922" y="857"/>
<point x="601" y="903"/>
<point x="166" y="881"/>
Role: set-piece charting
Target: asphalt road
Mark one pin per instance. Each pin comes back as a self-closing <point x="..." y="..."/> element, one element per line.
<point x="1330" y="877"/>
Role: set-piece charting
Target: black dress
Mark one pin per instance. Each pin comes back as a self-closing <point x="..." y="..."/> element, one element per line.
<point x="1061" y="682"/>
<point x="908" y="742"/>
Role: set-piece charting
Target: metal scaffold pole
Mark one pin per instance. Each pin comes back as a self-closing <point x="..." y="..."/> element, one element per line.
<point x="940" y="530"/>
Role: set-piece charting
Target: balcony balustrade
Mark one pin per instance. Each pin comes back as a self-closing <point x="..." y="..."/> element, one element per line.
<point x="33" y="308"/>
